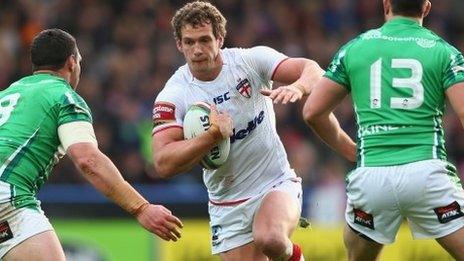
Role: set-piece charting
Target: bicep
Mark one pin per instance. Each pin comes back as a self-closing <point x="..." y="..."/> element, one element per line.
<point x="83" y="152"/>
<point x="326" y="95"/>
<point x="166" y="136"/>
<point x="289" y="70"/>
<point x="455" y="95"/>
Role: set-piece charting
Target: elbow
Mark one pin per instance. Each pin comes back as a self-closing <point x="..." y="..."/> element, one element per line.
<point x="86" y="164"/>
<point x="309" y="116"/>
<point x="163" y="170"/>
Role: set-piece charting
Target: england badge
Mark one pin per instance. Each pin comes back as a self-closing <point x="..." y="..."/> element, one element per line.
<point x="244" y="88"/>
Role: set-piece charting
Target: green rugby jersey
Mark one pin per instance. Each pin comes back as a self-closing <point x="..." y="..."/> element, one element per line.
<point x="31" y="110"/>
<point x="397" y="76"/>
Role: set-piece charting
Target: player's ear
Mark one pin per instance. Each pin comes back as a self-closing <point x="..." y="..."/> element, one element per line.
<point x="426" y="9"/>
<point x="220" y="42"/>
<point x="71" y="62"/>
<point x="386" y="7"/>
<point x="179" y="45"/>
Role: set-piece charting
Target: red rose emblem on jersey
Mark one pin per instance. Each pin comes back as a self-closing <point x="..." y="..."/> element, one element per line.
<point x="244" y="88"/>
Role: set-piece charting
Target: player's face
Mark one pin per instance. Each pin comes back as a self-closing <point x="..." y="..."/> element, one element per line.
<point x="76" y="73"/>
<point x="201" y="49"/>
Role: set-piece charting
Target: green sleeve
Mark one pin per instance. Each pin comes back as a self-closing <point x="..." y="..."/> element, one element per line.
<point x="454" y="67"/>
<point x="337" y="69"/>
<point x="73" y="108"/>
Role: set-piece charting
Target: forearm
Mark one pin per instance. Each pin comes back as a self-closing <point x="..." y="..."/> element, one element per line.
<point x="105" y="177"/>
<point x="180" y="156"/>
<point x="310" y="75"/>
<point x="328" y="129"/>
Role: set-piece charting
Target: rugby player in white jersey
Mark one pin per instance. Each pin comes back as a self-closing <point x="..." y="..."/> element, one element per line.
<point x="255" y="197"/>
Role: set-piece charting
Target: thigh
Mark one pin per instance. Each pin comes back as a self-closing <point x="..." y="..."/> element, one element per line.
<point x="372" y="208"/>
<point x="246" y="252"/>
<point x="437" y="210"/>
<point x="231" y="225"/>
<point x="359" y="247"/>
<point x="20" y="229"/>
<point x="44" y="246"/>
<point x="280" y="209"/>
<point x="454" y="244"/>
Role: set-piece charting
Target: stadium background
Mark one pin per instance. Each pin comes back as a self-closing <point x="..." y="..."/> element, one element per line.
<point x="129" y="53"/>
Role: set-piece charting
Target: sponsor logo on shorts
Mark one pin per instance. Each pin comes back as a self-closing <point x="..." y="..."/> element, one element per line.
<point x="5" y="231"/>
<point x="215" y="230"/>
<point x="449" y="212"/>
<point x="364" y="219"/>
<point x="163" y="112"/>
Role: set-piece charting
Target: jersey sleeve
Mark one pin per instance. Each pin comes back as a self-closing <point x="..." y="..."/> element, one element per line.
<point x="169" y="109"/>
<point x="454" y="67"/>
<point x="73" y="108"/>
<point x="263" y="60"/>
<point x="337" y="70"/>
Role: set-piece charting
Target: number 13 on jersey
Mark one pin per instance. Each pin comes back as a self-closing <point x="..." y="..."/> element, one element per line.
<point x="414" y="83"/>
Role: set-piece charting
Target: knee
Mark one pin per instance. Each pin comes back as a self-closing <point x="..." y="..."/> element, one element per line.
<point x="273" y="245"/>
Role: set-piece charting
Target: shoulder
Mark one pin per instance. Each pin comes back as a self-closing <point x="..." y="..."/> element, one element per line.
<point x="180" y="79"/>
<point x="363" y="37"/>
<point x="255" y="52"/>
<point x="181" y="76"/>
<point x="175" y="88"/>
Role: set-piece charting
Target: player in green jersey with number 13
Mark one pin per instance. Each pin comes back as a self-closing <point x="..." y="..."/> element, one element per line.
<point x="399" y="76"/>
<point x="41" y="119"/>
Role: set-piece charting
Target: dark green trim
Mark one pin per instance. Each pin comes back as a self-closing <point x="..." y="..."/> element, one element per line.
<point x="9" y="169"/>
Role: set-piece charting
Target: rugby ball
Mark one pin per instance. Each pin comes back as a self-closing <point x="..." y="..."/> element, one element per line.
<point x="196" y="122"/>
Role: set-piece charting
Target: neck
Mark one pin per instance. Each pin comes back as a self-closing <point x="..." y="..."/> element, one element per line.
<point x="419" y="20"/>
<point x="55" y="73"/>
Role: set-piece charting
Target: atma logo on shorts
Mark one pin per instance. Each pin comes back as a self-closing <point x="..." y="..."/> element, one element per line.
<point x="241" y="134"/>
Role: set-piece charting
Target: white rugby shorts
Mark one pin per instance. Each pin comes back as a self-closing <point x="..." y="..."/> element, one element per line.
<point x="231" y="225"/>
<point x="17" y="225"/>
<point x="427" y="193"/>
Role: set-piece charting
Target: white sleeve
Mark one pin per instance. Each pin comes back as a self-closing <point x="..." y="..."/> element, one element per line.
<point x="75" y="132"/>
<point x="263" y="60"/>
<point x="169" y="109"/>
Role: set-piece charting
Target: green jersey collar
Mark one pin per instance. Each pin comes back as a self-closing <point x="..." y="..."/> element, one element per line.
<point x="402" y="20"/>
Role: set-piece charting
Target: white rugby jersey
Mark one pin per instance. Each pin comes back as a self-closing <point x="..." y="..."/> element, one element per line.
<point x="257" y="158"/>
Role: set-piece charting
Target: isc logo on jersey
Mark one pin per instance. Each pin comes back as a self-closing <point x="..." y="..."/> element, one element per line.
<point x="196" y="122"/>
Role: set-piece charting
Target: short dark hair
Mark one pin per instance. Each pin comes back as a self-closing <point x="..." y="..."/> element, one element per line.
<point x="50" y="49"/>
<point x="196" y="14"/>
<point x="407" y="7"/>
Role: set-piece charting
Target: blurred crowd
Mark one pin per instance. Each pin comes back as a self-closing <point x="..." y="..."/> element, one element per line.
<point x="129" y="53"/>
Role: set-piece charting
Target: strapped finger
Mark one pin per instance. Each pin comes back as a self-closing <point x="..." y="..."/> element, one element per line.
<point x="162" y="235"/>
<point x="165" y="231"/>
<point x="173" y="229"/>
<point x="176" y="232"/>
<point x="175" y="220"/>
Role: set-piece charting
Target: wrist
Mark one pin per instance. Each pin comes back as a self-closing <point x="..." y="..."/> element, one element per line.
<point x="140" y="209"/>
<point x="300" y="87"/>
<point x="215" y="132"/>
<point x="123" y="194"/>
